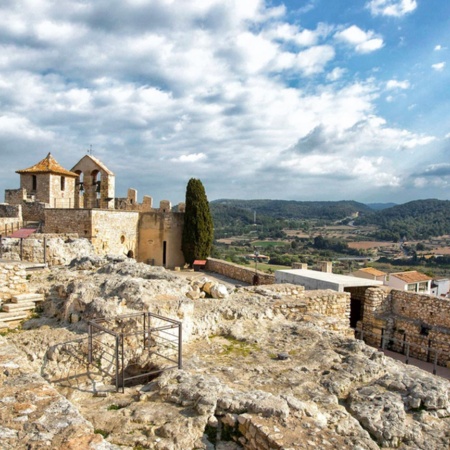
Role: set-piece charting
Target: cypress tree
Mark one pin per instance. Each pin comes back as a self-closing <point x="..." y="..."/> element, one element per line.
<point x="198" y="225"/>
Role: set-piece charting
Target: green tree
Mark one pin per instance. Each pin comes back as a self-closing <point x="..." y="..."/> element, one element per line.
<point x="198" y="225"/>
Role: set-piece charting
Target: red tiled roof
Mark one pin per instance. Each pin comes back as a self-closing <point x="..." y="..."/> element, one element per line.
<point x="373" y="271"/>
<point x="48" y="165"/>
<point x="411" y="277"/>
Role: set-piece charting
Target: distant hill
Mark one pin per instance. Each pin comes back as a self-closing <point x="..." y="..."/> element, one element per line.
<point x="419" y="219"/>
<point x="226" y="211"/>
<point x="380" y="206"/>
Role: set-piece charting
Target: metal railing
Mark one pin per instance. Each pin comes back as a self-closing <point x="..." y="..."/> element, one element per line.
<point x="160" y="336"/>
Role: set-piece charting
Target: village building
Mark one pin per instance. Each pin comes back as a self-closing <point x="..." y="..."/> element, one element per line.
<point x="82" y="201"/>
<point x="411" y="281"/>
<point x="370" y="273"/>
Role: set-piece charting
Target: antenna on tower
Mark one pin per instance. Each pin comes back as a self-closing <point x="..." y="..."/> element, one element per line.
<point x="90" y="150"/>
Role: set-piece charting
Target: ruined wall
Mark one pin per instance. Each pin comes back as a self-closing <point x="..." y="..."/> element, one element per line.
<point x="325" y="308"/>
<point x="160" y="236"/>
<point x="13" y="279"/>
<point x="237" y="272"/>
<point x="115" y="232"/>
<point x="403" y="317"/>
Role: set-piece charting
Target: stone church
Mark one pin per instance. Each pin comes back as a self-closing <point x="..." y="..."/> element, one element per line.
<point x="82" y="201"/>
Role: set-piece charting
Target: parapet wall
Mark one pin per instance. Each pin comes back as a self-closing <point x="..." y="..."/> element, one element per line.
<point x="237" y="272"/>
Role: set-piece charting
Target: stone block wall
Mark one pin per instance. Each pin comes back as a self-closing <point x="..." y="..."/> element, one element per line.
<point x="13" y="279"/>
<point x="326" y="308"/>
<point x="10" y="211"/>
<point x="237" y="272"/>
<point x="33" y="211"/>
<point x="15" y="196"/>
<point x="160" y="239"/>
<point x="115" y="232"/>
<point x="76" y="221"/>
<point x="403" y="317"/>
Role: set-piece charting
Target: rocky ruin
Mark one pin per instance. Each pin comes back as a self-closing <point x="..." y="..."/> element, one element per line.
<point x="266" y="367"/>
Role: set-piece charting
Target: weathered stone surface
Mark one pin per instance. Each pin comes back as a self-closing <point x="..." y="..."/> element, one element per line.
<point x="330" y="392"/>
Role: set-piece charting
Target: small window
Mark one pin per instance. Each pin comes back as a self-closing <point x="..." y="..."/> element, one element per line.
<point x="34" y="181"/>
<point x="63" y="183"/>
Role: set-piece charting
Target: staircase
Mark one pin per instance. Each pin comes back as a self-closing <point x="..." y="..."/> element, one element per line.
<point x="15" y="308"/>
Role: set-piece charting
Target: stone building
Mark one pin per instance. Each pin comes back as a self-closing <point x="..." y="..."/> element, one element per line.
<point x="82" y="201"/>
<point x="46" y="182"/>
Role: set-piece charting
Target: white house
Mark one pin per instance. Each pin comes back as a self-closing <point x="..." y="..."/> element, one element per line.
<point x="411" y="281"/>
<point x="441" y="287"/>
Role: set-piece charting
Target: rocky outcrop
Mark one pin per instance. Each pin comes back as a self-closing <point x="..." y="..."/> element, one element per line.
<point x="264" y="368"/>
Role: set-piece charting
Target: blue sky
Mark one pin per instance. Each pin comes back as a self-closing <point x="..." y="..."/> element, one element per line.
<point x="301" y="100"/>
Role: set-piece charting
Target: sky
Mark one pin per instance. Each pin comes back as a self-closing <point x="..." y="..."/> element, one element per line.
<point x="259" y="99"/>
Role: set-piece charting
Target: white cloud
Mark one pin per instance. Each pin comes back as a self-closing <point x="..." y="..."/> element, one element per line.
<point x="363" y="41"/>
<point x="439" y="67"/>
<point x="395" y="84"/>
<point x="437" y="48"/>
<point x="314" y="59"/>
<point x="194" y="157"/>
<point x="220" y="90"/>
<point x="394" y="8"/>
<point x="336" y="74"/>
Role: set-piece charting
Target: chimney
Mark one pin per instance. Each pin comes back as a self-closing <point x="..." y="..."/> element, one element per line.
<point x="297" y="265"/>
<point x="327" y="266"/>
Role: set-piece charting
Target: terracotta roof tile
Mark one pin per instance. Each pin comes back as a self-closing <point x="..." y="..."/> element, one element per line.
<point x="412" y="276"/>
<point x="373" y="271"/>
<point x="48" y="165"/>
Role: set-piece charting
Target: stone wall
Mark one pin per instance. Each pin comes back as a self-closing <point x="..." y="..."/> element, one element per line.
<point x="237" y="272"/>
<point x="10" y="218"/>
<point x="15" y="196"/>
<point x="76" y="221"/>
<point x="115" y="232"/>
<point x="160" y="236"/>
<point x="325" y="308"/>
<point x="10" y="211"/>
<point x="33" y="211"/>
<point x="13" y="279"/>
<point x="406" y="319"/>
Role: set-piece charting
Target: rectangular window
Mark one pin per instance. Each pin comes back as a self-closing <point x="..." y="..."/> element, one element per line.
<point x="63" y="183"/>
<point x="423" y="286"/>
<point x="412" y="287"/>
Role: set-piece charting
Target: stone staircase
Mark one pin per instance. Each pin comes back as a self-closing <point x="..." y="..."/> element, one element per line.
<point x="17" y="307"/>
